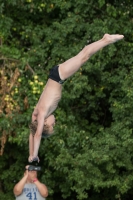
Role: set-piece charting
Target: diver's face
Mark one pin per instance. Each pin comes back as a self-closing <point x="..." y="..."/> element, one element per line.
<point x="50" y="121"/>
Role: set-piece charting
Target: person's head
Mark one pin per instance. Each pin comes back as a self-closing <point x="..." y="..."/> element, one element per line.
<point x="48" y="129"/>
<point x="31" y="175"/>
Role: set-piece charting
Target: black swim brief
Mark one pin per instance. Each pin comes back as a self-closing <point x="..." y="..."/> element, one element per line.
<point x="54" y="75"/>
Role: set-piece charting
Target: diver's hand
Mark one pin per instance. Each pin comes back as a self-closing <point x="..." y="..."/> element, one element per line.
<point x="30" y="159"/>
<point x="36" y="159"/>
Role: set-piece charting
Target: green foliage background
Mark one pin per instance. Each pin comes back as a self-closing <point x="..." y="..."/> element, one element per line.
<point x="91" y="154"/>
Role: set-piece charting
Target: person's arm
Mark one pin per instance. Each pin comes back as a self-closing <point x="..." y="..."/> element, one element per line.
<point x="31" y="138"/>
<point x="18" y="188"/>
<point x="41" y="187"/>
<point x="31" y="145"/>
<point x="38" y="135"/>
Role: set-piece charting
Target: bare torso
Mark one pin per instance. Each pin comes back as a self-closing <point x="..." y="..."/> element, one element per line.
<point x="50" y="98"/>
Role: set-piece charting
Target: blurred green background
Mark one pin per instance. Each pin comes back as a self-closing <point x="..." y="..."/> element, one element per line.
<point x="91" y="154"/>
